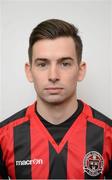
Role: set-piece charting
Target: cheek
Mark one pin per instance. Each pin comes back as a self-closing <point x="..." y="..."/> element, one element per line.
<point x="37" y="77"/>
<point x="71" y="78"/>
<point x="39" y="81"/>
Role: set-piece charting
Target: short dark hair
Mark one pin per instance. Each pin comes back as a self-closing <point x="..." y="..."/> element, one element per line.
<point x="52" y="29"/>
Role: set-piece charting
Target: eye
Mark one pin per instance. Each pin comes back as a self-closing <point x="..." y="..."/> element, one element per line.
<point x="41" y="64"/>
<point x="65" y="64"/>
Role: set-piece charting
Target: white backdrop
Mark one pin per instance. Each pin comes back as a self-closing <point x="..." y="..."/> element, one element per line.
<point x="0" y="63"/>
<point x="111" y="65"/>
<point x="94" y="20"/>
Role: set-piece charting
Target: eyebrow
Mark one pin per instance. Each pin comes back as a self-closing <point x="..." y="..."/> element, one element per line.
<point x="40" y="59"/>
<point x="66" y="58"/>
<point x="60" y="59"/>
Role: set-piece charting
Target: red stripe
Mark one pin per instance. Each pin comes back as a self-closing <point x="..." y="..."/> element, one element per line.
<point x="39" y="147"/>
<point x="76" y="151"/>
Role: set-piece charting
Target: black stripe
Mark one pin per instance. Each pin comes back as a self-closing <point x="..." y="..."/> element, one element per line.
<point x="58" y="163"/>
<point x="3" y="170"/>
<point x="94" y="142"/>
<point x="101" y="117"/>
<point x="109" y="173"/>
<point x="22" y="150"/>
<point x="14" y="117"/>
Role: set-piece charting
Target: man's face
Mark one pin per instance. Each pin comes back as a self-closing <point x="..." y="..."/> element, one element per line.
<point x="55" y="70"/>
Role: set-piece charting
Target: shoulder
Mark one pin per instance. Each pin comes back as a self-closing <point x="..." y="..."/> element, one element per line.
<point x="18" y="115"/>
<point x="100" y="116"/>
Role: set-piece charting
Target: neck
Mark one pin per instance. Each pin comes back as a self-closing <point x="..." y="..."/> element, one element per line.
<point x="57" y="113"/>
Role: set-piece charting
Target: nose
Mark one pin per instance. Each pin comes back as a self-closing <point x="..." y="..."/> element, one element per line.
<point x="54" y="74"/>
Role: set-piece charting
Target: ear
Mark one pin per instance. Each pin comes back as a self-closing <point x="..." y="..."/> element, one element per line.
<point x="82" y="71"/>
<point x="28" y="72"/>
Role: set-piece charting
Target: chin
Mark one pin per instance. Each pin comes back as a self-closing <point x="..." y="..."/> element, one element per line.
<point x="55" y="101"/>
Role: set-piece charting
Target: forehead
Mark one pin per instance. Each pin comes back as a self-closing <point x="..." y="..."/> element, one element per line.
<point x="56" y="48"/>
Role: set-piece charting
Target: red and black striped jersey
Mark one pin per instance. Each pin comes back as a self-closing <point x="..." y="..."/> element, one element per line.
<point x="29" y="151"/>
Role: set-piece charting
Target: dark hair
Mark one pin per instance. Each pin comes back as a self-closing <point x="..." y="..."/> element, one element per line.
<point x="52" y="29"/>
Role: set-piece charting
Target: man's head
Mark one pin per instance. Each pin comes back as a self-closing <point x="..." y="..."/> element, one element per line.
<point x="52" y="29"/>
<point x="55" y="64"/>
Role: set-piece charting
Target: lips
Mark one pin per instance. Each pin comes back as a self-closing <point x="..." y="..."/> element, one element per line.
<point x="54" y="90"/>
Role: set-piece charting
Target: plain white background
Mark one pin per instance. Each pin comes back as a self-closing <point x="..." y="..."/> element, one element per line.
<point x="0" y="64"/>
<point x="94" y="20"/>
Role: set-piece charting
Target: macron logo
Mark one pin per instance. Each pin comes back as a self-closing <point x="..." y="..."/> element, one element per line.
<point x="29" y="162"/>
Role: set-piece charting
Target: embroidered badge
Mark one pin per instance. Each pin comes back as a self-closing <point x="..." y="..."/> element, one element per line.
<point x="93" y="163"/>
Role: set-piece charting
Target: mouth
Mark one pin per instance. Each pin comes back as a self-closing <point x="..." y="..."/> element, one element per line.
<point x="54" y="90"/>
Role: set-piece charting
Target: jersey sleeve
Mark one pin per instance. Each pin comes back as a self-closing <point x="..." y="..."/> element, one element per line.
<point x="3" y="171"/>
<point x="109" y="174"/>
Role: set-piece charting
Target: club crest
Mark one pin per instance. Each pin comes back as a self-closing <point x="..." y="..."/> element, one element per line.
<point x="93" y="163"/>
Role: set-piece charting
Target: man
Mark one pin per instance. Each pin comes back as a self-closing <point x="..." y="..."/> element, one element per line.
<point x="58" y="137"/>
